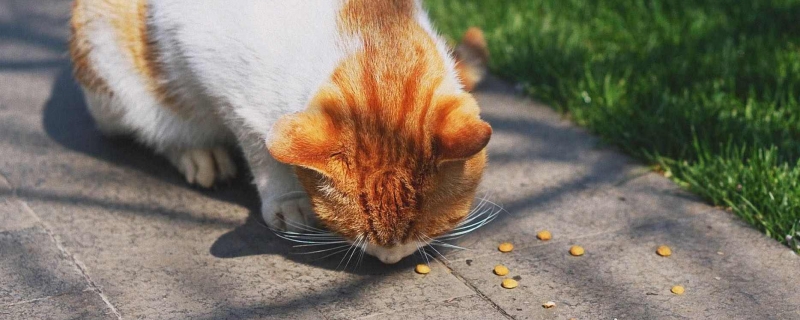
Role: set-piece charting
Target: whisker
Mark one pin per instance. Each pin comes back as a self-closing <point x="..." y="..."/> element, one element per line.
<point x="478" y="207"/>
<point x="318" y="234"/>
<point x="498" y="206"/>
<point x="308" y="236"/>
<point x="323" y="250"/>
<point x="303" y="226"/>
<point x="447" y="245"/>
<point x="472" y="217"/>
<point x="426" y="255"/>
<point x="467" y="223"/>
<point x="476" y="212"/>
<point x="422" y="251"/>
<point x="348" y="253"/>
<point x="337" y="252"/>
<point x="439" y="253"/>
<point x="345" y="255"/>
<point x="482" y="202"/>
<point x="465" y="231"/>
<point x="318" y="244"/>
<point x="472" y="227"/>
<point x="363" y="251"/>
<point x="308" y="241"/>
<point x="357" y="245"/>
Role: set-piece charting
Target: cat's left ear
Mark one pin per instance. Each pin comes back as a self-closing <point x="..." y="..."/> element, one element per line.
<point x="306" y="139"/>
<point x="459" y="131"/>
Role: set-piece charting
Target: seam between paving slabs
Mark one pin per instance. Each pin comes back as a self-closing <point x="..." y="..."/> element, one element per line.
<point x="44" y="298"/>
<point x="375" y="315"/>
<point x="78" y="264"/>
<point x="476" y="290"/>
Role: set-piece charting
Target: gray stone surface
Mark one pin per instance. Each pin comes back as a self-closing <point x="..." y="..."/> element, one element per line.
<point x="79" y="305"/>
<point x="83" y="218"/>
<point x="32" y="267"/>
<point x="464" y="308"/>
<point x="14" y="215"/>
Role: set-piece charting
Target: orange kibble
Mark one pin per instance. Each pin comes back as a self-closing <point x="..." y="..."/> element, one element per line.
<point x="544" y="235"/>
<point x="677" y="290"/>
<point x="500" y="270"/>
<point x="505" y="247"/>
<point x="422" y="269"/>
<point x="664" y="251"/>
<point x="576" y="251"/>
<point x="509" y="283"/>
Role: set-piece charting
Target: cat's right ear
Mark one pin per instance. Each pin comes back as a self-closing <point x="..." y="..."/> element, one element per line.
<point x="305" y="139"/>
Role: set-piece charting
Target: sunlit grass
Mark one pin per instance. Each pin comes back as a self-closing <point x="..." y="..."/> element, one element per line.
<point x="707" y="90"/>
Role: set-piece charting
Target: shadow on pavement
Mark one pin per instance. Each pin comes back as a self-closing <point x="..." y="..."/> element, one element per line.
<point x="67" y="121"/>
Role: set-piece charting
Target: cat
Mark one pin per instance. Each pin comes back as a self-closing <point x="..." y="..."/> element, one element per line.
<point x="350" y="113"/>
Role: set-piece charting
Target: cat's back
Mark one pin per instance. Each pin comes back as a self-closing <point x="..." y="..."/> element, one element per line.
<point x="270" y="53"/>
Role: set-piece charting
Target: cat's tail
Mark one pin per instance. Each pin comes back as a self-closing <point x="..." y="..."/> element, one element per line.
<point x="472" y="58"/>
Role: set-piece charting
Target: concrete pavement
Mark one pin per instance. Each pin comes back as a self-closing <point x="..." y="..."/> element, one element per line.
<point x="94" y="228"/>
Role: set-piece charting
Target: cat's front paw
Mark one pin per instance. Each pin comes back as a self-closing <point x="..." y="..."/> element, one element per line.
<point x="203" y="166"/>
<point x="290" y="214"/>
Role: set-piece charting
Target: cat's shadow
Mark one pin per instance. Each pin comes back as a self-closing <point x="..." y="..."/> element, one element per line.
<point x="67" y="121"/>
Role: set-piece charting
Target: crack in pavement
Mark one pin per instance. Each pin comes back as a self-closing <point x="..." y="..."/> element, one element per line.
<point x="44" y="298"/>
<point x="476" y="290"/>
<point x="78" y="264"/>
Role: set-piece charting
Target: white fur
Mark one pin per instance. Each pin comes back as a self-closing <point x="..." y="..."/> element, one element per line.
<point x="241" y="65"/>
<point x="393" y="254"/>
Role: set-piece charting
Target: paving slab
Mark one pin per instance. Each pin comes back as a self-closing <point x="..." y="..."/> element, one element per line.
<point x="470" y="307"/>
<point x="110" y="230"/>
<point x="14" y="214"/>
<point x="621" y="276"/>
<point x="80" y="305"/>
<point x="32" y="267"/>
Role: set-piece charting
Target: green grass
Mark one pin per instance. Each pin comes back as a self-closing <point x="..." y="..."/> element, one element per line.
<point x="705" y="90"/>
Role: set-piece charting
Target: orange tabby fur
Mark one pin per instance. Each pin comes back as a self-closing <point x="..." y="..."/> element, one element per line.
<point x="128" y="18"/>
<point x="79" y="48"/>
<point x="387" y="149"/>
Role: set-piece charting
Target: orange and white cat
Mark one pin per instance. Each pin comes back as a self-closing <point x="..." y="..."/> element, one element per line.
<point x="351" y="113"/>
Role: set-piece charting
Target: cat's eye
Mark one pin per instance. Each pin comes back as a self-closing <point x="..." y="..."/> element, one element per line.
<point x="340" y="157"/>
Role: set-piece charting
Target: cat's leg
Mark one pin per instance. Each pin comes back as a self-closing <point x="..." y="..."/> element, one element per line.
<point x="203" y="166"/>
<point x="284" y="203"/>
<point x="197" y="150"/>
<point x="197" y="147"/>
<point x="106" y="112"/>
<point x="129" y="89"/>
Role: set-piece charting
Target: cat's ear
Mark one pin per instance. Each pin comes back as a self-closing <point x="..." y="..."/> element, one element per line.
<point x="459" y="132"/>
<point x="306" y="139"/>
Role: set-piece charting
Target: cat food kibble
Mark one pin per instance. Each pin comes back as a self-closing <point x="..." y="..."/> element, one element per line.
<point x="544" y="235"/>
<point x="509" y="283"/>
<point x="549" y="304"/>
<point x="500" y="270"/>
<point x="576" y="251"/>
<point x="505" y="247"/>
<point x="664" y="251"/>
<point x="423" y="269"/>
<point x="677" y="290"/>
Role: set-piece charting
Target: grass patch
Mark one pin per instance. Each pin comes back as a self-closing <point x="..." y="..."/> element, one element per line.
<point x="706" y="89"/>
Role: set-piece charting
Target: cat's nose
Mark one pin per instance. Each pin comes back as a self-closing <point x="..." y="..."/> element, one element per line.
<point x="391" y="255"/>
<point x="391" y="258"/>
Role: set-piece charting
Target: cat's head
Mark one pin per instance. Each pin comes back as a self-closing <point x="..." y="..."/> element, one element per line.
<point x="391" y="179"/>
<point x="390" y="149"/>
